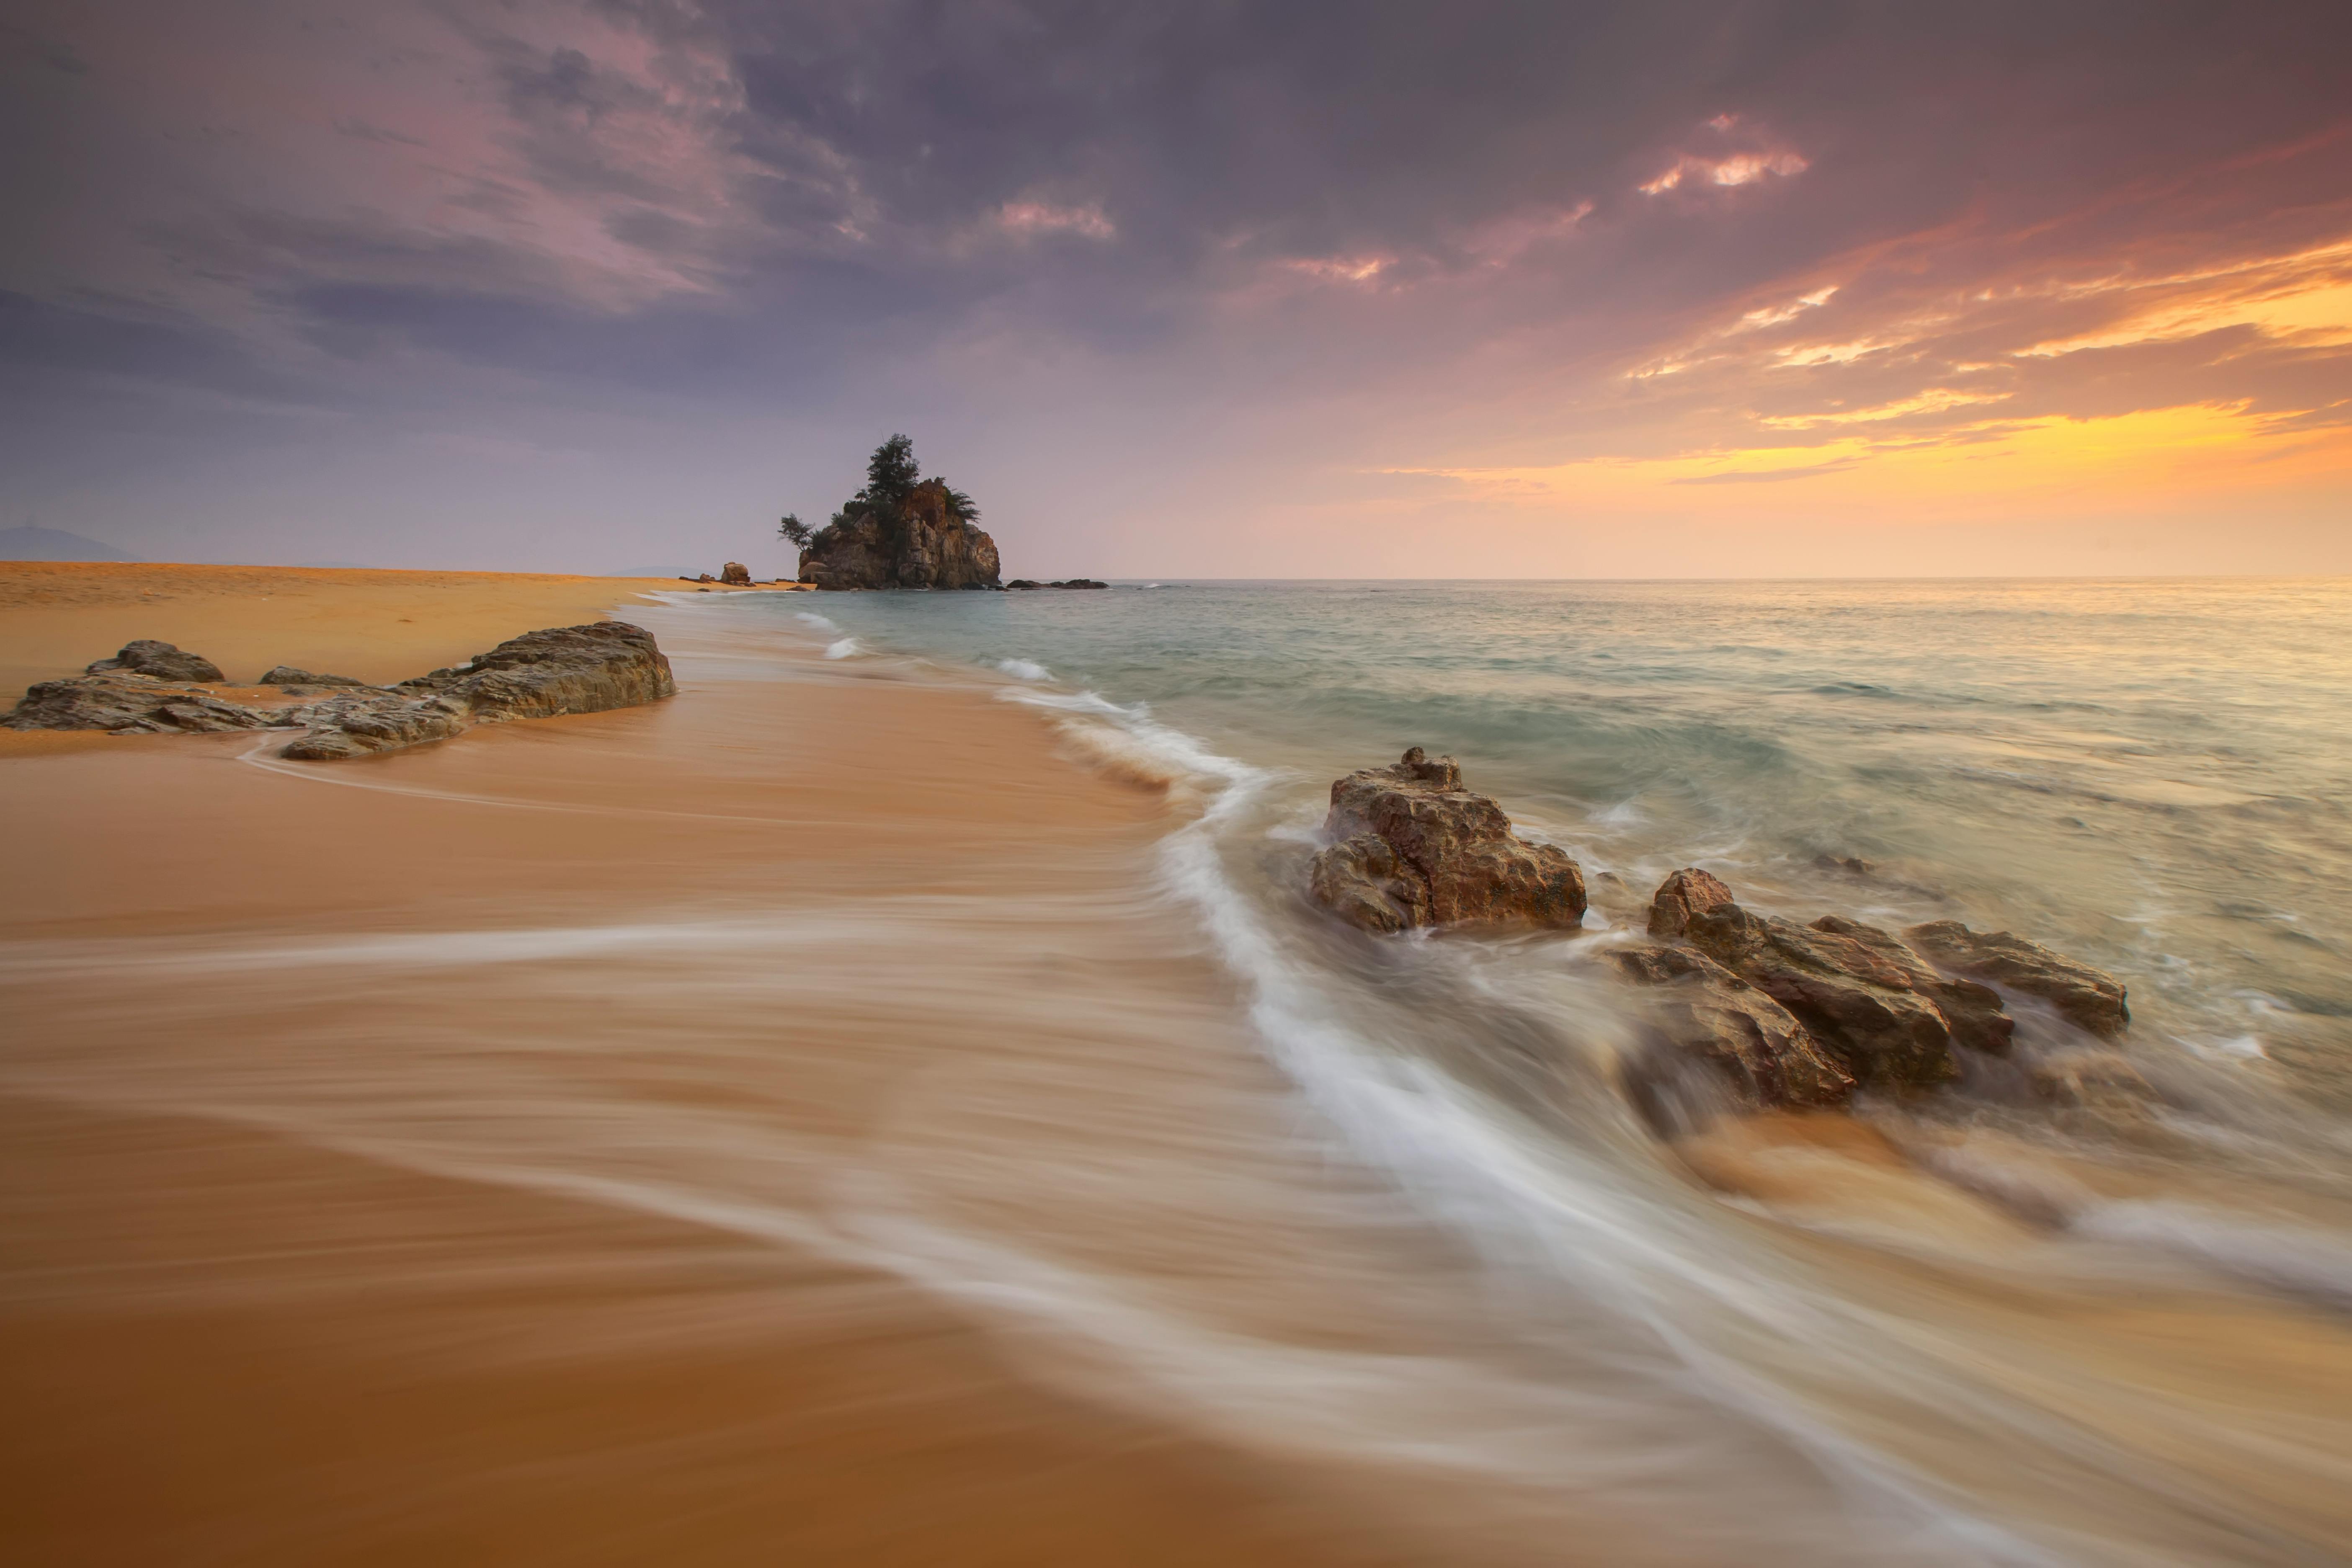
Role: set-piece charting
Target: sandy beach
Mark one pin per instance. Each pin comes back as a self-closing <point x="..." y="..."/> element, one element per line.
<point x="298" y="1269"/>
<point x="824" y="1116"/>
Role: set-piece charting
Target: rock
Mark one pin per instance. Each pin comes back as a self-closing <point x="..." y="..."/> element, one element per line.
<point x="918" y="540"/>
<point x="1887" y="1017"/>
<point x="1850" y="865"/>
<point x="1024" y="582"/>
<point x="363" y="725"/>
<point x="1686" y="892"/>
<point x="1757" y="1050"/>
<point x="130" y="704"/>
<point x="287" y="675"/>
<point x="564" y="670"/>
<point x="1413" y="848"/>
<point x="736" y="572"/>
<point x="160" y="660"/>
<point x="2085" y="996"/>
<point x="1079" y="583"/>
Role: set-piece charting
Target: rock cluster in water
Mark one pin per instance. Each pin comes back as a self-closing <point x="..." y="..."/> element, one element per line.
<point x="563" y="669"/>
<point x="1775" y="1013"/>
<point x="1413" y="848"/>
<point x="1025" y="582"/>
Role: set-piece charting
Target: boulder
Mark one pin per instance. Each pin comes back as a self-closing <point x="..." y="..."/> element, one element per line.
<point x="354" y="727"/>
<point x="1025" y="583"/>
<point x="287" y="675"/>
<point x="564" y="670"/>
<point x="1413" y="848"/>
<point x="737" y="573"/>
<point x="2087" y="997"/>
<point x="1887" y="1017"/>
<point x="160" y="660"/>
<point x="1686" y="892"/>
<point x="1756" y="1050"/>
<point x="130" y="704"/>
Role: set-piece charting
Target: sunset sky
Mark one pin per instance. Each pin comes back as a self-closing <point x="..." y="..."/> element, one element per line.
<point x="1214" y="289"/>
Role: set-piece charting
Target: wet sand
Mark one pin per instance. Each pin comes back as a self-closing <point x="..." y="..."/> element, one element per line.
<point x="796" y="1122"/>
<point x="301" y="1265"/>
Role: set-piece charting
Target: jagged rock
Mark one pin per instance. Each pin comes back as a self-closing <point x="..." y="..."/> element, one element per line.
<point x="1686" y="892"/>
<point x="737" y="573"/>
<point x="160" y="660"/>
<point x="1757" y="1050"/>
<point x="563" y="669"/>
<point x="132" y="704"/>
<point x="1413" y="848"/>
<point x="1079" y="583"/>
<point x="2086" y="996"/>
<point x="287" y="675"/>
<point x="917" y="541"/>
<point x="353" y="727"/>
<point x="1887" y="1017"/>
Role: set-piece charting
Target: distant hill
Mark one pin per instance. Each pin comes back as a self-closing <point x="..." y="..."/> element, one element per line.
<point x="55" y="544"/>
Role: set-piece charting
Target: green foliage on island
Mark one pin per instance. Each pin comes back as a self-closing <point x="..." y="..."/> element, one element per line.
<point x="900" y="531"/>
<point x="894" y="490"/>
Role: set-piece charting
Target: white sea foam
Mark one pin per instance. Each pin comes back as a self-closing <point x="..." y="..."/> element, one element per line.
<point x="2301" y="1262"/>
<point x="1025" y="669"/>
<point x="846" y="648"/>
<point x="810" y="618"/>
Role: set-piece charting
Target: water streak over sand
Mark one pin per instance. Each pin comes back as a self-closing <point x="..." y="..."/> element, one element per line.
<point x="834" y="1116"/>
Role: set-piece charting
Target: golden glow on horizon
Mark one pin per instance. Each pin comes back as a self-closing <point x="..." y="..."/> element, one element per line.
<point x="2203" y="446"/>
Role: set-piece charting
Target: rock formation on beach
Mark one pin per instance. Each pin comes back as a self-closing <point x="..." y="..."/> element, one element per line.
<point x="1707" y="1016"/>
<point x="1413" y="848"/>
<point x="564" y="670"/>
<point x="2083" y="995"/>
<point x="901" y="531"/>
<point x="1863" y="1001"/>
<point x="159" y="659"/>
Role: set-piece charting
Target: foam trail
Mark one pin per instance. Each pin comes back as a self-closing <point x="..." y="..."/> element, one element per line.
<point x="846" y="648"/>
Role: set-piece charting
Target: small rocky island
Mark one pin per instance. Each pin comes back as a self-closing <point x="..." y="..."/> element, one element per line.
<point x="901" y="531"/>
<point x="1770" y="1013"/>
<point x="154" y="687"/>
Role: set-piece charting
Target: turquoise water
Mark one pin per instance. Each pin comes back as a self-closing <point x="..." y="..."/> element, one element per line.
<point x="2156" y="776"/>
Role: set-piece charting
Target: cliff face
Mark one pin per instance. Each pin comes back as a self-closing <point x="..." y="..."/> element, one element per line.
<point x="919" y="542"/>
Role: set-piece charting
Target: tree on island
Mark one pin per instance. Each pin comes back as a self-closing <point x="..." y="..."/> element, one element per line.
<point x="901" y="531"/>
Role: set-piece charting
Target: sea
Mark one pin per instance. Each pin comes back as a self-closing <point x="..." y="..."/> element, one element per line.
<point x="895" y="1103"/>
<point x="2009" y="1329"/>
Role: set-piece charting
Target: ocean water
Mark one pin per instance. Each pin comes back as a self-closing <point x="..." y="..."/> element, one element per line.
<point x="896" y="1104"/>
<point x="2007" y="1329"/>
<point x="2156" y="777"/>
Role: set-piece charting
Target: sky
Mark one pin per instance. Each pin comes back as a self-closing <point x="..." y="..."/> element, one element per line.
<point x="1212" y="289"/>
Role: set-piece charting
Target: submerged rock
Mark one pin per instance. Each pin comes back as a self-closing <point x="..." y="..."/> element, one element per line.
<point x="1759" y="1053"/>
<point x="130" y="704"/>
<point x="1887" y="1017"/>
<point x="2087" y="997"/>
<point x="287" y="675"/>
<point x="160" y="660"/>
<point x="1413" y="848"/>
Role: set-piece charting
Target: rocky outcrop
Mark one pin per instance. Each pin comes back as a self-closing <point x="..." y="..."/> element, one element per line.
<point x="287" y="675"/>
<point x="159" y="659"/>
<point x="1686" y="892"/>
<point x="132" y="704"/>
<point x="735" y="574"/>
<point x="564" y="670"/>
<point x="2084" y="996"/>
<point x="356" y="726"/>
<point x="1756" y="1050"/>
<point x="919" y="542"/>
<point x="1412" y="847"/>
